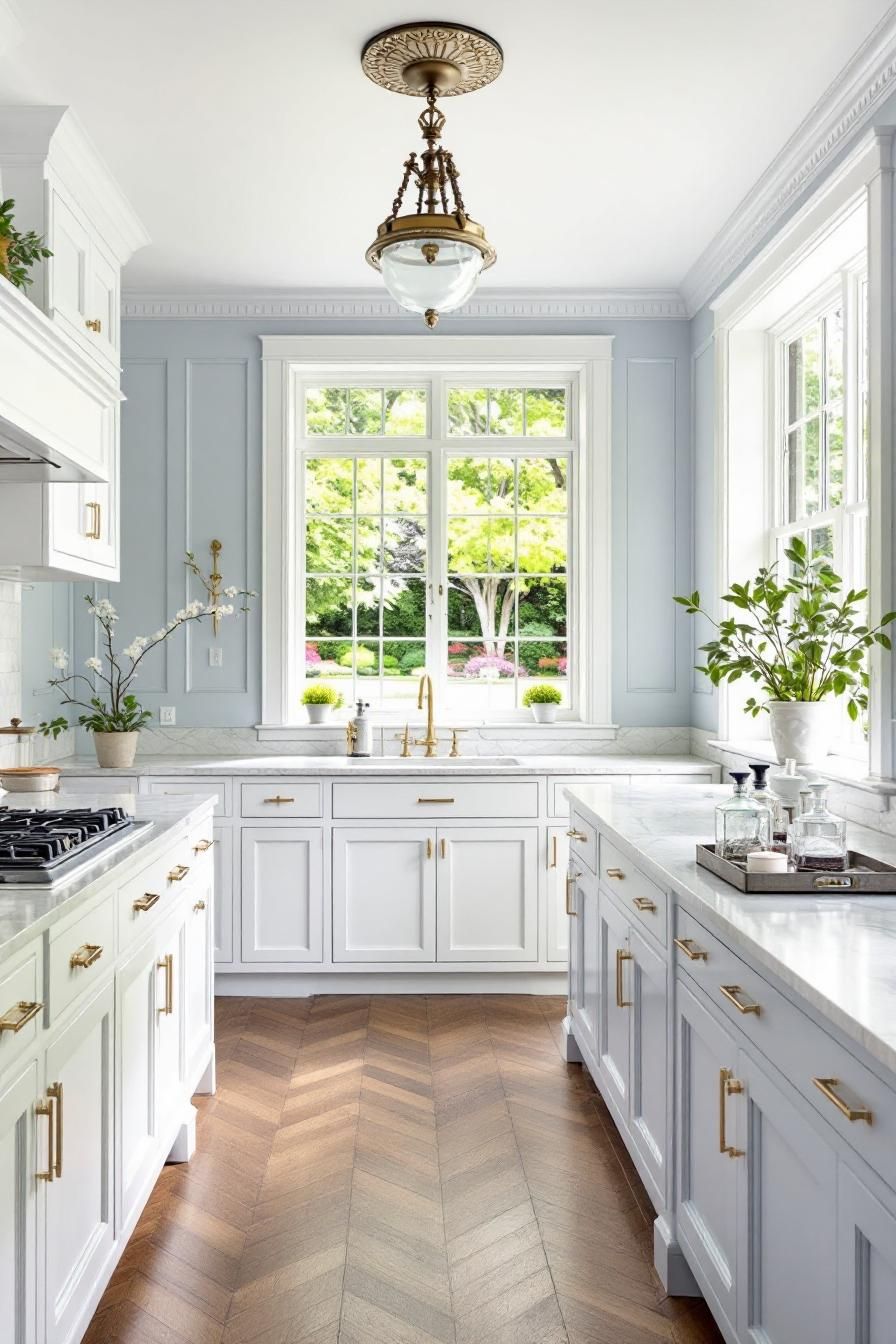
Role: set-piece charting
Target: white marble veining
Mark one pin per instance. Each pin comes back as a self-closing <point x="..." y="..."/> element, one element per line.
<point x="27" y="911"/>
<point x="837" y="953"/>
<point x="390" y="765"/>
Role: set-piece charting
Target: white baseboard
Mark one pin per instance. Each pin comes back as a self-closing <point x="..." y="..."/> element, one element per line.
<point x="267" y="985"/>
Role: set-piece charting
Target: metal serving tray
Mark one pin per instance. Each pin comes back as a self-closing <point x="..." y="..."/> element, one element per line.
<point x="864" y="876"/>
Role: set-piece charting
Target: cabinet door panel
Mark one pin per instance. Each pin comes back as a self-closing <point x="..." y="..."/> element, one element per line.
<point x="198" y="970"/>
<point x="384" y="894"/>
<point x="585" y="985"/>
<point x="103" y="301"/>
<point x="170" y="1014"/>
<point x="649" y="1098"/>
<point x="68" y="266"/>
<point x="135" y="1006"/>
<point x="223" y="852"/>
<point x="282" y="894"/>
<point x="557" y="865"/>
<point x="487" y="894"/>
<point x="787" y="1267"/>
<point x="866" y="1264"/>
<point x="18" y="1203"/>
<point x="616" y="989"/>
<point x="707" y="1181"/>
<point x="79" y="1215"/>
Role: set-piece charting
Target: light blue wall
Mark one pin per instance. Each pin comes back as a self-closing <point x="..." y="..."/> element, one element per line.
<point x="191" y="471"/>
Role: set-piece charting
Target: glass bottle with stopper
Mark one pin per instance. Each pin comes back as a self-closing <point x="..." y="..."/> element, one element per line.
<point x="763" y="794"/>
<point x="818" y="838"/>
<point x="743" y="823"/>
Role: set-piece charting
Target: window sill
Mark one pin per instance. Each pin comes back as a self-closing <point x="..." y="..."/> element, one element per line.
<point x="561" y="731"/>
<point x="837" y="769"/>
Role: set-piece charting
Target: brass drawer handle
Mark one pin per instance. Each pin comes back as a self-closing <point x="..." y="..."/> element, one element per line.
<point x="178" y="872"/>
<point x="644" y="903"/>
<point x="731" y="993"/>
<point x="552" y="862"/>
<point x="691" y="950"/>
<point x="166" y="964"/>
<point x="571" y="880"/>
<point x="200" y="905"/>
<point x="621" y="956"/>
<point x="578" y="835"/>
<point x="728" y="1086"/>
<point x="617" y="873"/>
<point x="278" y="799"/>
<point x="146" y="902"/>
<point x="52" y="1108"/>
<point x="94" y="324"/>
<point x="202" y="846"/>
<point x="87" y="955"/>
<point x="94" y="532"/>
<point x="14" y="1019"/>
<point x="435" y="800"/>
<point x="826" y="1087"/>
<point x="443" y="847"/>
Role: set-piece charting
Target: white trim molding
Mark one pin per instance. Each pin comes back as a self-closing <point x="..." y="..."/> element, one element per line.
<point x="843" y="111"/>
<point x="374" y="305"/>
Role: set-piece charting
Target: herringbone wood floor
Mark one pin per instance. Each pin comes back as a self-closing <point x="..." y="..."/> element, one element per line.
<point x="396" y="1171"/>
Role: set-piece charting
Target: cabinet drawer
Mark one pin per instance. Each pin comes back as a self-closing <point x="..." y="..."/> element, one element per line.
<point x="801" y="1049"/>
<point x="21" y="1004"/>
<point x="281" y="798"/>
<point x="639" y="895"/>
<point x="438" y="797"/>
<point x="90" y="939"/>
<point x="558" y="803"/>
<point x="195" y="784"/>
<point x="582" y="841"/>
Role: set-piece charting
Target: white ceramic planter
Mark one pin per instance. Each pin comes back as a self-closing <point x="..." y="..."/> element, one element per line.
<point x="319" y="713"/>
<point x="114" y="750"/>
<point x="801" y="729"/>
<point x="544" y="713"/>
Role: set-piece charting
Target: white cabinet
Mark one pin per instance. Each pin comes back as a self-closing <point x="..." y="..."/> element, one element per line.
<point x="384" y="894"/>
<point x="616" y="984"/>
<point x="223" y="921"/>
<point x="648" y="1073"/>
<point x="18" y="1202"/>
<point x="136" y="1016"/>
<point x="198" y="990"/>
<point x="867" y="1264"/>
<point x="584" y="983"/>
<point x="557" y="865"/>
<point x="487" y="894"/>
<point x="78" y="1218"/>
<point x="282" y="894"/>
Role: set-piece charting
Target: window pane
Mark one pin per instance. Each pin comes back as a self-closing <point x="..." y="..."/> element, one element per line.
<point x="326" y="410"/>
<point x="802" y="474"/>
<point x="328" y="606"/>
<point x="501" y="550"/>
<point x="804" y="375"/>
<point x="468" y="545"/>
<point x="404" y="485"/>
<point x="367" y="660"/>
<point x="404" y="549"/>
<point x="370" y="470"/>
<point x="542" y="484"/>
<point x="328" y="546"/>
<point x="330" y="659"/>
<point x="367" y="599"/>
<point x="542" y="659"/>
<point x="463" y="620"/>
<point x="329" y="485"/>
<point x="404" y="607"/>
<point x="834" y="352"/>
<point x="406" y="411"/>
<point x="367" y="544"/>
<point x="505" y="411"/>
<point x="542" y="545"/>
<point x="542" y="609"/>
<point x="365" y="410"/>
<point x="835" y="458"/>
<point x="546" y="412"/>
<point x="821" y="541"/>
<point x="467" y="410"/>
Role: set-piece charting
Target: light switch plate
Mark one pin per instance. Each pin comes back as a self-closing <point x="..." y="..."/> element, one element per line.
<point x="167" y="716"/>
<point x="216" y="656"/>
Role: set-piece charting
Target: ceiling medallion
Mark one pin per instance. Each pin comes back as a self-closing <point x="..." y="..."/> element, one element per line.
<point x="431" y="259"/>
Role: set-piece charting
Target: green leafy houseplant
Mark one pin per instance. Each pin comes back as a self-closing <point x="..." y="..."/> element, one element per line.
<point x="541" y="694"/>
<point x="18" y="251"/>
<point x="322" y="695"/>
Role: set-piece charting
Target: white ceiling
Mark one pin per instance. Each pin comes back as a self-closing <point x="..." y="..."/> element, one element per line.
<point x="619" y="138"/>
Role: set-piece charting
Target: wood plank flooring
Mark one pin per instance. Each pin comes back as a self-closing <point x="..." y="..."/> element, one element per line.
<point x="401" y="1170"/>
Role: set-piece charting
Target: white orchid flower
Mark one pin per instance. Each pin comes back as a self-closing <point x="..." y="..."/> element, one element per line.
<point x="94" y="664"/>
<point x="59" y="658"/>
<point x="231" y="592"/>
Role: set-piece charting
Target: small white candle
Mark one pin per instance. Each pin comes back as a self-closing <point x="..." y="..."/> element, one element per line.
<point x="766" y="861"/>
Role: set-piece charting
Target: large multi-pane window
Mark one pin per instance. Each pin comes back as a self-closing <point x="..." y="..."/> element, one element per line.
<point x="437" y="537"/>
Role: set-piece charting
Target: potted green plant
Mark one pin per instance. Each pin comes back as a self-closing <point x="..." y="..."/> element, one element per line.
<point x="320" y="701"/>
<point x="544" y="701"/>
<point x="18" y="251"/>
<point x="802" y="641"/>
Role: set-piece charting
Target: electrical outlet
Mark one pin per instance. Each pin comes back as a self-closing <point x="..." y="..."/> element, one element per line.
<point x="216" y="656"/>
<point x="167" y="716"/>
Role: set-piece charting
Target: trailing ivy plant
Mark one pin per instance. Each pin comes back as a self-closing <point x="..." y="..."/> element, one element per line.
<point x="799" y="639"/>
<point x="21" y="250"/>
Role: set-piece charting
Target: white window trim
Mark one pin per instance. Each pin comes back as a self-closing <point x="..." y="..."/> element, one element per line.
<point x="866" y="178"/>
<point x="287" y="360"/>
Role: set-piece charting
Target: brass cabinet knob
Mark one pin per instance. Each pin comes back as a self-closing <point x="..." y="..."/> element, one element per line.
<point x="93" y="324"/>
<point x="644" y="903"/>
<point x="87" y="955"/>
<point x="178" y="872"/>
<point x="146" y="902"/>
<point x="200" y="905"/>
<point x="14" y="1019"/>
<point x="202" y="846"/>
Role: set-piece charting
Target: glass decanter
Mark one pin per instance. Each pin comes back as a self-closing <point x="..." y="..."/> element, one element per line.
<point x="763" y="794"/>
<point x="743" y="823"/>
<point x="818" y="838"/>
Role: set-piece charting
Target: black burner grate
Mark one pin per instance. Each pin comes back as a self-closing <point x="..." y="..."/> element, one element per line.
<point x="33" y="841"/>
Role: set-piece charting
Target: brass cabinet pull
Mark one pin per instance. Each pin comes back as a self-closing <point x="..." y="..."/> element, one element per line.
<point x="146" y="902"/>
<point x="202" y="846"/>
<point x="578" y="835"/>
<point x="435" y="800"/>
<point x="277" y="799"/>
<point x="644" y="903"/>
<point x="552" y="862"/>
<point x="621" y="956"/>
<point x="166" y="964"/>
<point x="93" y="324"/>
<point x="728" y="1086"/>
<point x="14" y="1019"/>
<point x="178" y="872"/>
<point x="443" y="846"/>
<point x="826" y="1087"/>
<point x="731" y="993"/>
<point x="94" y="532"/>
<point x="571" y="880"/>
<point x="429" y="846"/>
<point x="54" y="1091"/>
<point x="87" y="955"/>
<point x="200" y="905"/>
<point x="617" y="873"/>
<point x="52" y="1108"/>
<point x="691" y="950"/>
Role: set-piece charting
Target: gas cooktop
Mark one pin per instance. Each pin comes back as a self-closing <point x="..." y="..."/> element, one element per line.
<point x="39" y="846"/>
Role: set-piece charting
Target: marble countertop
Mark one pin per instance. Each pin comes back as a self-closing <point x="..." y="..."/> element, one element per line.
<point x="27" y="911"/>
<point x="837" y="953"/>
<point x="391" y="765"/>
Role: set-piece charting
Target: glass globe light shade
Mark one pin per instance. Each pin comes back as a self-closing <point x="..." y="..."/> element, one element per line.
<point x="442" y="284"/>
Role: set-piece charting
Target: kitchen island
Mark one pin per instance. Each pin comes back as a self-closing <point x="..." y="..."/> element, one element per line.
<point x="746" y="1048"/>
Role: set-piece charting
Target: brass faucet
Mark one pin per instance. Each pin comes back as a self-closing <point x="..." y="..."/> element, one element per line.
<point x="430" y="741"/>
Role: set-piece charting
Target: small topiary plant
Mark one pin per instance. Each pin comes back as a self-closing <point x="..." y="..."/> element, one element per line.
<point x="540" y="694"/>
<point x="18" y="251"/>
<point x="322" y="695"/>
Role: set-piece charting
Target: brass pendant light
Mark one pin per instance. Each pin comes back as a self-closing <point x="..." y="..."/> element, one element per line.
<point x="431" y="259"/>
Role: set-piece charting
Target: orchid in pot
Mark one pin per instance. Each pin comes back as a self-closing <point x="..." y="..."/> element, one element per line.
<point x="110" y="709"/>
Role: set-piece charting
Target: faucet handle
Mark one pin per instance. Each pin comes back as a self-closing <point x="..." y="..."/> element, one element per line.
<point x="455" y="733"/>
<point x="405" y="740"/>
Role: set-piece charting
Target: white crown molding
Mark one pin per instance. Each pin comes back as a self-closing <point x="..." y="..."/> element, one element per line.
<point x="374" y="305"/>
<point x="843" y="111"/>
